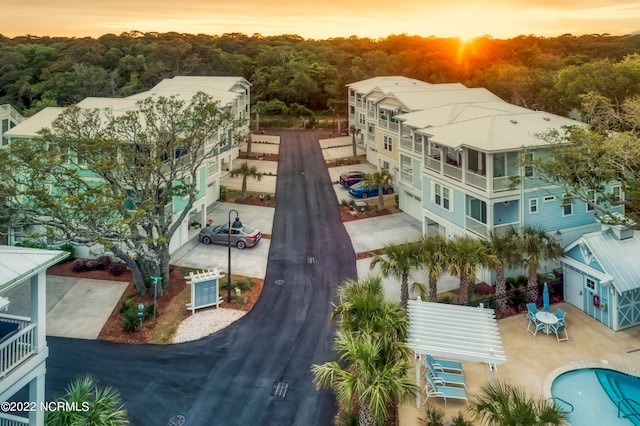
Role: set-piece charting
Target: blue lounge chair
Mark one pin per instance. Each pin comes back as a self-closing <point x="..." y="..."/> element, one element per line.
<point x="445" y="365"/>
<point x="447" y="379"/>
<point x="441" y="391"/>
<point x="534" y="325"/>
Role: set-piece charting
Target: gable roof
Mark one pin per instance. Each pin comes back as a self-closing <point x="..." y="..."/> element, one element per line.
<point x="617" y="258"/>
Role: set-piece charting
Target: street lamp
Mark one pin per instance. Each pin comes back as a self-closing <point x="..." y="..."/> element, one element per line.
<point x="236" y="225"/>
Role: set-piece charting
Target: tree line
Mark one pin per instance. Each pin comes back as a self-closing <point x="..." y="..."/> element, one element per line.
<point x="536" y="72"/>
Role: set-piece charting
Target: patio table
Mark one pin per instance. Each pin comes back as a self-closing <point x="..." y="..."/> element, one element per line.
<point x="548" y="319"/>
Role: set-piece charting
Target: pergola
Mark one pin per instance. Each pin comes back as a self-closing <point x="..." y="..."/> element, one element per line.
<point x="454" y="331"/>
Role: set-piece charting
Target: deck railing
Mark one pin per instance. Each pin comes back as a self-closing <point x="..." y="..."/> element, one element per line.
<point x="7" y="419"/>
<point x="18" y="347"/>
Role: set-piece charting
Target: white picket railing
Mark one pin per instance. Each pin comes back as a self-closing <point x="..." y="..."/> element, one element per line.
<point x="18" y="347"/>
<point x="7" y="419"/>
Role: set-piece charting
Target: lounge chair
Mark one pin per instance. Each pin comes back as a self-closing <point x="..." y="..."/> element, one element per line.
<point x="445" y="365"/>
<point x="436" y="390"/>
<point x="534" y="325"/>
<point x="442" y="378"/>
<point x="558" y="328"/>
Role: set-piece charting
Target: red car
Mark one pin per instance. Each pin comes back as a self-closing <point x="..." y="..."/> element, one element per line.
<point x="350" y="178"/>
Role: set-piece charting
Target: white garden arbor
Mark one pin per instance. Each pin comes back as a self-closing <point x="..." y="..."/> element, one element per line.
<point x="453" y="331"/>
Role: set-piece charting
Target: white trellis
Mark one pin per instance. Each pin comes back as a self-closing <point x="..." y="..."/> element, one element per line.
<point x="205" y="289"/>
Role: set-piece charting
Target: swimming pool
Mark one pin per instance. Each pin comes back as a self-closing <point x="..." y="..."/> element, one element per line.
<point x="594" y="394"/>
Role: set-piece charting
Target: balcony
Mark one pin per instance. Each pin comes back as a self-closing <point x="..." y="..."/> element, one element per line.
<point x="18" y="342"/>
<point x="476" y="180"/>
<point x="453" y="172"/>
<point x="432" y="163"/>
<point x="476" y="226"/>
<point x="406" y="142"/>
<point x="502" y="183"/>
<point x="371" y="114"/>
<point x="506" y="227"/>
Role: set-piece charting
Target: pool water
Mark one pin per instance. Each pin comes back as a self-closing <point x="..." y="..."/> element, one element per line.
<point x="594" y="394"/>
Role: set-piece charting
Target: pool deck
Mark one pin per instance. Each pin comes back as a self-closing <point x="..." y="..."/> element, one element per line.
<point x="531" y="360"/>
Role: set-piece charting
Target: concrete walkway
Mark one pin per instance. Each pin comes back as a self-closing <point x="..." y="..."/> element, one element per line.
<point x="76" y="308"/>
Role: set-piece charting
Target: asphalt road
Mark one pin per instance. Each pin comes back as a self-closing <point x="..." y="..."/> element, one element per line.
<point x="228" y="378"/>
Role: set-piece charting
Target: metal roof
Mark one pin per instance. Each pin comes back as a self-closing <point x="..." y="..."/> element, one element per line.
<point x="454" y="331"/>
<point x="18" y="264"/>
<point x="618" y="258"/>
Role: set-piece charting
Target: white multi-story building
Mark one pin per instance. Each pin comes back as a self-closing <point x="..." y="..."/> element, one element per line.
<point x="233" y="93"/>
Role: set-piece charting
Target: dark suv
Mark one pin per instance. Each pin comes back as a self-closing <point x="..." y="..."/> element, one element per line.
<point x="349" y="178"/>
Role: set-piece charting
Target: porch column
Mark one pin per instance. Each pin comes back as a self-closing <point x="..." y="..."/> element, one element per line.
<point x="39" y="309"/>
<point x="36" y="394"/>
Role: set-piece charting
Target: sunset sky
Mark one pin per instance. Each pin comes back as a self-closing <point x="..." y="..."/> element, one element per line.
<point x="323" y="19"/>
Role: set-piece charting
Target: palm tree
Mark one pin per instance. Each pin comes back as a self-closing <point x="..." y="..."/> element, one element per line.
<point x="537" y="246"/>
<point x="433" y="256"/>
<point x="380" y="180"/>
<point x="464" y="256"/>
<point x="372" y="374"/>
<point x="501" y="404"/>
<point x="398" y="260"/>
<point x="373" y="378"/>
<point x="504" y="246"/>
<point x="354" y="131"/>
<point x="246" y="171"/>
<point x="94" y="405"/>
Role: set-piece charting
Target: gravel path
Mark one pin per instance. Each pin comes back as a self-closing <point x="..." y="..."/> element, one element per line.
<point x="204" y="323"/>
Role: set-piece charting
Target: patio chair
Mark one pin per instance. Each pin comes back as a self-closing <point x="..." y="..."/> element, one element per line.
<point x="532" y="310"/>
<point x="562" y="315"/>
<point x="445" y="365"/>
<point x="445" y="379"/>
<point x="534" y="325"/>
<point x="559" y="328"/>
<point x="441" y="391"/>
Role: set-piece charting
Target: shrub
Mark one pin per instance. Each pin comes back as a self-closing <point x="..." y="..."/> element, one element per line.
<point x="244" y="284"/>
<point x="522" y="279"/>
<point x="103" y="262"/>
<point x="344" y="202"/>
<point x="511" y="283"/>
<point x="80" y="265"/>
<point x="224" y="191"/>
<point x="432" y="416"/>
<point x="116" y="269"/>
<point x="70" y="248"/>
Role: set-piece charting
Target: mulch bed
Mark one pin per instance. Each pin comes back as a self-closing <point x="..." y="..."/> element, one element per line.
<point x="171" y="301"/>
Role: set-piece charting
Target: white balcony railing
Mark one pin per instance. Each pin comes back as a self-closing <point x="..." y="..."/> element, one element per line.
<point x="432" y="163"/>
<point x="371" y="114"/>
<point x="505" y="227"/>
<point x="476" y="226"/>
<point x="18" y="347"/>
<point x="453" y="172"/>
<point x="476" y="180"/>
<point x="7" y="419"/>
<point x="501" y="183"/>
<point x="406" y="143"/>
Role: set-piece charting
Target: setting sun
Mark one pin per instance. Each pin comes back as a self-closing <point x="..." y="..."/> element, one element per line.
<point x="460" y="18"/>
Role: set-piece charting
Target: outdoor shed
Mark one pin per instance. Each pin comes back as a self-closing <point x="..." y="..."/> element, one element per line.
<point x="602" y="276"/>
<point x="452" y="331"/>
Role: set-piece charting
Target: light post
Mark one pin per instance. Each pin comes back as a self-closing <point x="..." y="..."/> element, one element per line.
<point x="155" y="280"/>
<point x="229" y="225"/>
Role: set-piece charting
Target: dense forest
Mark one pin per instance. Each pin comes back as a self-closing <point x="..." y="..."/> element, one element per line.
<point x="539" y="73"/>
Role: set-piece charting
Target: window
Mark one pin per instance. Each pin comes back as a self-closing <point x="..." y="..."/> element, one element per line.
<point x="548" y="198"/>
<point x="361" y="119"/>
<point x="533" y="205"/>
<point x="591" y="284"/>
<point x="406" y="168"/>
<point x="567" y="208"/>
<point x="528" y="170"/>
<point x="442" y="196"/>
<point x="616" y="192"/>
<point x="388" y="143"/>
<point x="591" y="197"/>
